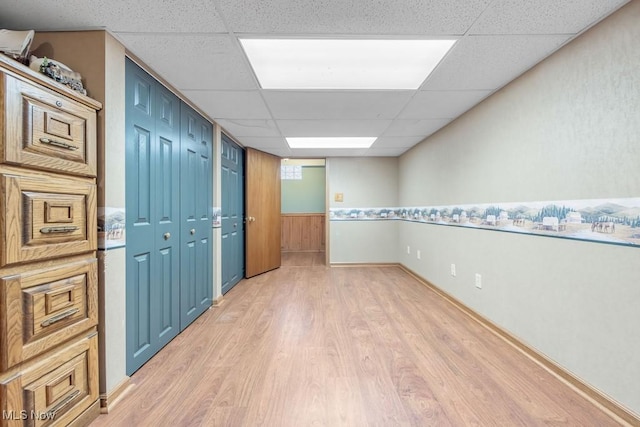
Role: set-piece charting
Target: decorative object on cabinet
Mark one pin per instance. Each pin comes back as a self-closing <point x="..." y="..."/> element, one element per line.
<point x="58" y="72"/>
<point x="16" y="44"/>
<point x="48" y="242"/>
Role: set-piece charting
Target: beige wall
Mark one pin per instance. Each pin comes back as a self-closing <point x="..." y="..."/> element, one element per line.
<point x="100" y="59"/>
<point x="365" y="183"/>
<point x="568" y="129"/>
<point x="113" y="175"/>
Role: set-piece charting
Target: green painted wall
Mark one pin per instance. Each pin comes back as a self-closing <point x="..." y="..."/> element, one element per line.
<point x="306" y="195"/>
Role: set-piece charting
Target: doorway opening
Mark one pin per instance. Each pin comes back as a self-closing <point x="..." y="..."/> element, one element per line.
<point x="303" y="212"/>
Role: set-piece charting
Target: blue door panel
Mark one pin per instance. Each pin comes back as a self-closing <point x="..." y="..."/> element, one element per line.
<point x="196" y="215"/>
<point x="232" y="215"/>
<point x="204" y="272"/>
<point x="190" y="277"/>
<point x="151" y="164"/>
<point x="141" y="300"/>
<point x="141" y="92"/>
<point x="202" y="205"/>
<point x="169" y="182"/>
<point x="141" y="175"/>
<point x="166" y="321"/>
<point x="166" y="169"/>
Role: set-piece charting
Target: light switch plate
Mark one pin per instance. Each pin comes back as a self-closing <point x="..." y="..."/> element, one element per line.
<point x="339" y="197"/>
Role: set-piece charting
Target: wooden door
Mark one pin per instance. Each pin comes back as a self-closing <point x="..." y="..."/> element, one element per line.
<point x="196" y="234"/>
<point x="232" y="215"/>
<point x="152" y="216"/>
<point x="262" y="212"/>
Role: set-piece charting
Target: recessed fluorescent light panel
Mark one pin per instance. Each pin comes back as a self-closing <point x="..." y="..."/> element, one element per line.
<point x="343" y="63"/>
<point x="331" y="142"/>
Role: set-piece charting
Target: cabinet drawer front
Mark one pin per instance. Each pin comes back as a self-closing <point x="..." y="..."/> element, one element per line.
<point x="44" y="308"/>
<point x="47" y="130"/>
<point x="59" y="388"/>
<point x="54" y="217"/>
<point x="46" y="217"/>
<point x="57" y="391"/>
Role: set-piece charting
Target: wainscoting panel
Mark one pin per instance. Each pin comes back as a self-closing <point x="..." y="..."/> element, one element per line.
<point x="303" y="232"/>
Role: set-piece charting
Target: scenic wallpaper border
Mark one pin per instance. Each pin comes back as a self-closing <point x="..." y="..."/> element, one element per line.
<point x="613" y="221"/>
<point x="111" y="228"/>
<point x="217" y="217"/>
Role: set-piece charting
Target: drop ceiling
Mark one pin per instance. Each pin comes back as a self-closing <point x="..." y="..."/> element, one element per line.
<point x="194" y="45"/>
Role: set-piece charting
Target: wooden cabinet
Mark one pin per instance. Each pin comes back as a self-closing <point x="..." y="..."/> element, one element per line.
<point x="48" y="243"/>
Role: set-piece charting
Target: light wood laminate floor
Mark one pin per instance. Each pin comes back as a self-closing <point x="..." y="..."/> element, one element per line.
<point x="303" y="259"/>
<point x="360" y="346"/>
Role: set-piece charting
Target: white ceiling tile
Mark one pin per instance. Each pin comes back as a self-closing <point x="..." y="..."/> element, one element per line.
<point x="394" y="142"/>
<point x="489" y="62"/>
<point x="282" y="153"/>
<point x="331" y="152"/>
<point x="542" y="16"/>
<point x="345" y="105"/>
<point x="192" y="61"/>
<point x="299" y="128"/>
<point x="265" y="142"/>
<point x="140" y="16"/>
<point x="442" y="104"/>
<point x="419" y="128"/>
<point x="352" y="17"/>
<point x="229" y="104"/>
<point x="386" y="152"/>
<point x="241" y="128"/>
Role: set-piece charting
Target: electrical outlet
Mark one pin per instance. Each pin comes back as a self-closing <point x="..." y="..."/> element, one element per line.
<point x="478" y="281"/>
<point x="408" y="249"/>
<point x="453" y="270"/>
<point x="418" y="254"/>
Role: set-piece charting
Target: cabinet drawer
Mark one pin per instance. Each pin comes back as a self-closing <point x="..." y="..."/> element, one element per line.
<point x="55" y="390"/>
<point x="46" y="217"/>
<point x="43" y="308"/>
<point x="48" y="131"/>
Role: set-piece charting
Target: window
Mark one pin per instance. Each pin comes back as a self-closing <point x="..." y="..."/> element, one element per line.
<point x="291" y="172"/>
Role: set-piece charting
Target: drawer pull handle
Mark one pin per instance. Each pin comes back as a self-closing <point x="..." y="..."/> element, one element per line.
<point x="63" y="229"/>
<point x="59" y="317"/>
<point x="192" y="231"/>
<point x="58" y="143"/>
<point x="53" y="411"/>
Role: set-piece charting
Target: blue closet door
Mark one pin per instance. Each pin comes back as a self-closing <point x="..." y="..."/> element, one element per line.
<point x="196" y="210"/>
<point x="152" y="216"/>
<point x="232" y="215"/>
